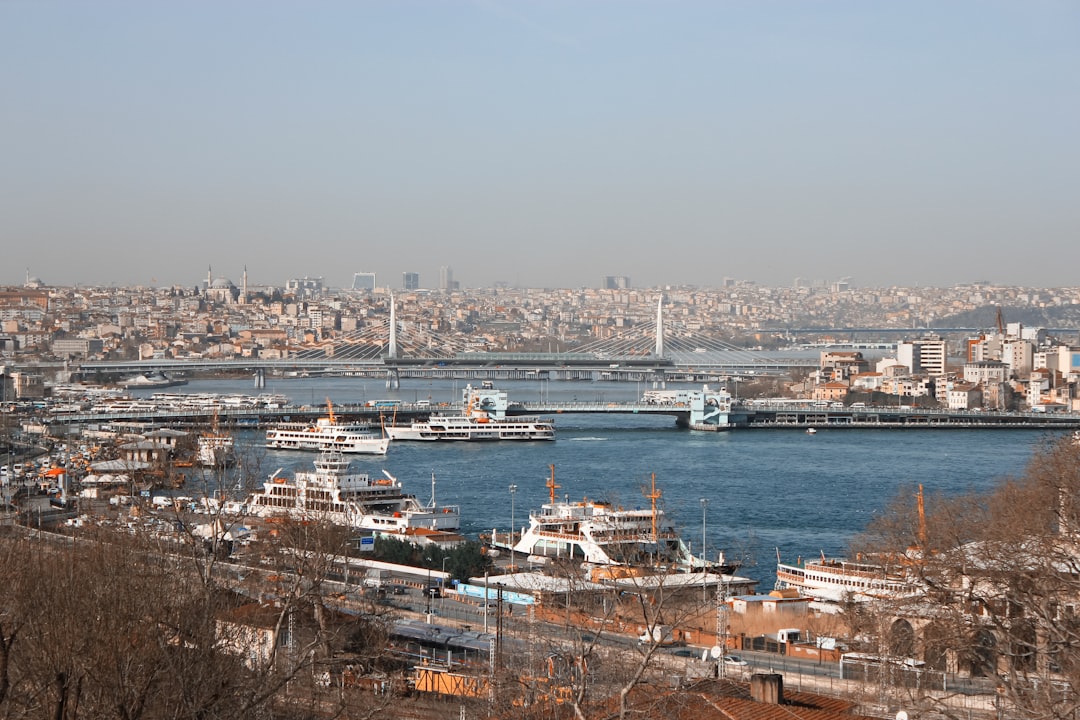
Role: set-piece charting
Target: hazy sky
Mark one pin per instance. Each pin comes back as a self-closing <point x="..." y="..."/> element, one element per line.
<point x="544" y="144"/>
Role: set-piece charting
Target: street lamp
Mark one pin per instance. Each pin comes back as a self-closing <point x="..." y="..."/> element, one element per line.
<point x="704" y="507"/>
<point x="427" y="590"/>
<point x="513" y="492"/>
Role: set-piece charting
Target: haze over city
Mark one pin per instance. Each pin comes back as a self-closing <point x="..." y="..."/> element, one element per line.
<point x="540" y="144"/>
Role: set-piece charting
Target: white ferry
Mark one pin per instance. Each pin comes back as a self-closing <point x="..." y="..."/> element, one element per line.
<point x="327" y="434"/>
<point x="152" y="380"/>
<point x="333" y="494"/>
<point x="484" y="418"/>
<point x="216" y="449"/>
<point x="834" y="580"/>
<point x="594" y="532"/>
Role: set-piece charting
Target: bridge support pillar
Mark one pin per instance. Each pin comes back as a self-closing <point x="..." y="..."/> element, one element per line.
<point x="260" y="378"/>
<point x="393" y="379"/>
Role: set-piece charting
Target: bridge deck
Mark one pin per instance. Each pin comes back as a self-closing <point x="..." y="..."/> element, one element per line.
<point x="741" y="417"/>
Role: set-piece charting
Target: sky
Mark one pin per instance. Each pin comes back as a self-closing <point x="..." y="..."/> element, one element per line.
<point x="541" y="144"/>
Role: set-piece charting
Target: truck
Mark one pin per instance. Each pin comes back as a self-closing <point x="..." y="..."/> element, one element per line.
<point x="376" y="578"/>
<point x="788" y="635"/>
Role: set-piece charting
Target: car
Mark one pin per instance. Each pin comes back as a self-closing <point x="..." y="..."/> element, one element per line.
<point x="734" y="660"/>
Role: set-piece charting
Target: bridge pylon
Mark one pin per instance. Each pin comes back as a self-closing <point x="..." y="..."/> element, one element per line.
<point x="392" y="350"/>
<point x="659" y="349"/>
<point x="393" y="379"/>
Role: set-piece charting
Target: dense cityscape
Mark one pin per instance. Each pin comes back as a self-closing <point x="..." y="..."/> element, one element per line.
<point x="925" y="619"/>
<point x="981" y="340"/>
<point x="539" y="360"/>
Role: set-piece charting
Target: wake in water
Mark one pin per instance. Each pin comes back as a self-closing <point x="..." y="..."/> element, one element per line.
<point x="586" y="439"/>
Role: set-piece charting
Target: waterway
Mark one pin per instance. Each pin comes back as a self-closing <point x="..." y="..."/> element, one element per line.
<point x="767" y="490"/>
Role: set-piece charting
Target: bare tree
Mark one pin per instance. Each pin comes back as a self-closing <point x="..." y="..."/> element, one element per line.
<point x="1000" y="583"/>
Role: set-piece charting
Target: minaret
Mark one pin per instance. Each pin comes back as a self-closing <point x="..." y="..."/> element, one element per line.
<point x="392" y="350"/>
<point x="659" y="351"/>
<point x="243" y="288"/>
<point x="209" y="278"/>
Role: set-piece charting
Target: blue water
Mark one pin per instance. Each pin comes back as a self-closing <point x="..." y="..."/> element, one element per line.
<point x="766" y="489"/>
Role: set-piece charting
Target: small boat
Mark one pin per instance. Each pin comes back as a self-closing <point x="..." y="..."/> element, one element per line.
<point x="811" y="431"/>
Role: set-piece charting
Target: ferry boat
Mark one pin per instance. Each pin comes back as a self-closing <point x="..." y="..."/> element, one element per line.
<point x="151" y="380"/>
<point x="484" y="418"/>
<point x="835" y="580"/>
<point x="598" y="533"/>
<point x="333" y="494"/>
<point x="327" y="434"/>
<point x="216" y="449"/>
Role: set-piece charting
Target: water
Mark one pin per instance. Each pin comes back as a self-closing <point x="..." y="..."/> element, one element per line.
<point x="766" y="489"/>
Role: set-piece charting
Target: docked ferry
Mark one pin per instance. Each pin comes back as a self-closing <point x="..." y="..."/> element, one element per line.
<point x="216" y="449"/>
<point x="835" y="580"/>
<point x="483" y="418"/>
<point x="327" y="434"/>
<point x="598" y="533"/>
<point x="333" y="494"/>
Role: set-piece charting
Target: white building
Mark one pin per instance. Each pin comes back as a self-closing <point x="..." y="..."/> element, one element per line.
<point x="964" y="396"/>
<point x="925" y="356"/>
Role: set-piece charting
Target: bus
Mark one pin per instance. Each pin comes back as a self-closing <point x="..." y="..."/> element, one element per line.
<point x="900" y="671"/>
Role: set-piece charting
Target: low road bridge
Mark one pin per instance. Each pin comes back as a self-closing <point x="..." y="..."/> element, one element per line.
<point x="740" y="416"/>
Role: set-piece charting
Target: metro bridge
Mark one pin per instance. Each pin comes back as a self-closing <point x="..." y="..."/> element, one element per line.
<point x="654" y="350"/>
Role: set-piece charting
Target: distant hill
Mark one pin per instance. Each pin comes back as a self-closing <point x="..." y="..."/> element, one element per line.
<point x="1065" y="316"/>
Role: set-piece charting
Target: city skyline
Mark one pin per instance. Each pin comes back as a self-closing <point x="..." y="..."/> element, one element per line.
<point x="540" y="145"/>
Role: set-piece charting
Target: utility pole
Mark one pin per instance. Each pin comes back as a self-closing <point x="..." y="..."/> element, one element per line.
<point x="704" y="592"/>
<point x="513" y="492"/>
<point x="721" y="625"/>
